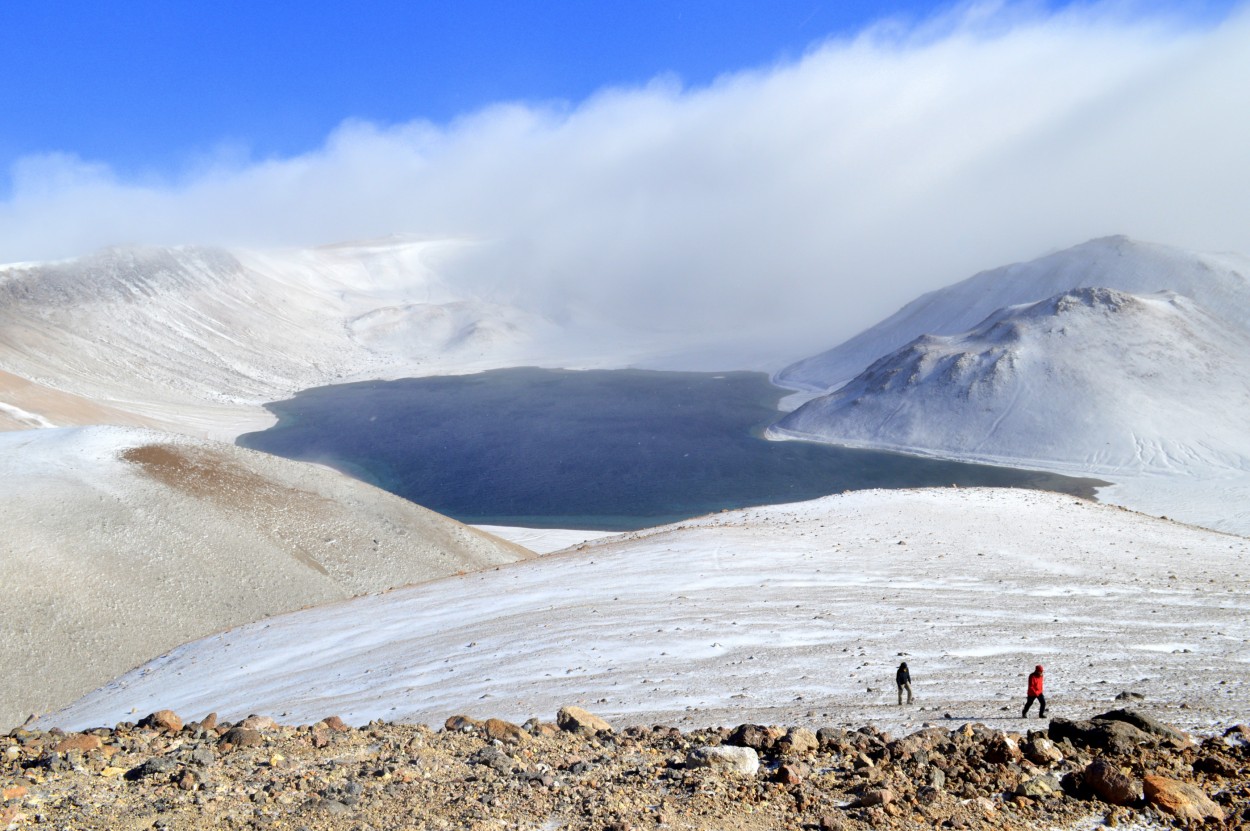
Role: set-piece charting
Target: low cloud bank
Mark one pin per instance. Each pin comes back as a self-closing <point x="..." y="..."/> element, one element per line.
<point x="816" y="195"/>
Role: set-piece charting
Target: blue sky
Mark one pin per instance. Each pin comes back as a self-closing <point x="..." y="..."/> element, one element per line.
<point x="792" y="161"/>
<point x="152" y="85"/>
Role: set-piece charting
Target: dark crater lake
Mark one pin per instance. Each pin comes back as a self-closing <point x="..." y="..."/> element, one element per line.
<point x="611" y="450"/>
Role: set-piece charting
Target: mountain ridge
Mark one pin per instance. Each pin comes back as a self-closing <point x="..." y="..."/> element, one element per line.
<point x="1217" y="281"/>
<point x="1094" y="379"/>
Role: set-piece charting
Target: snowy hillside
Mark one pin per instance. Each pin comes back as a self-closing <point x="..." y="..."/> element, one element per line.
<point x="1093" y="380"/>
<point x="785" y="614"/>
<point x="197" y="339"/>
<point x="1217" y="282"/>
<point x="122" y="543"/>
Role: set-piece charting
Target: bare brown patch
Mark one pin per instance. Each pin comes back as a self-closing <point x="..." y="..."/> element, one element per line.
<point x="61" y="408"/>
<point x="212" y="477"/>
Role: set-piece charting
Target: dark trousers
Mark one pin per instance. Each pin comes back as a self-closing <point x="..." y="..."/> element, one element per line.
<point x="1041" y="700"/>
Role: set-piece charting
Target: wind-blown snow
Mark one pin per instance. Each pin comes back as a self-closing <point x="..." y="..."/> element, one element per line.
<point x="794" y="613"/>
<point x="122" y="543"/>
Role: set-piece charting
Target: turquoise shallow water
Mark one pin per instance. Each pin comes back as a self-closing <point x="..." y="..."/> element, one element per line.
<point x="609" y="449"/>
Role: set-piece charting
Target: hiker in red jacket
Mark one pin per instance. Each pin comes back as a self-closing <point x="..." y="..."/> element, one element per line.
<point x="1035" y="691"/>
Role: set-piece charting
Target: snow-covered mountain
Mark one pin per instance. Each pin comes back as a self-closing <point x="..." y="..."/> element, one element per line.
<point x="1217" y="282"/>
<point x="790" y="614"/>
<point x="1119" y="359"/>
<point x="1094" y="380"/>
<point x="121" y="543"/>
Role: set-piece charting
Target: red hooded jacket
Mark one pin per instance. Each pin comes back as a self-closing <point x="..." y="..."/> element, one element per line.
<point x="1035" y="681"/>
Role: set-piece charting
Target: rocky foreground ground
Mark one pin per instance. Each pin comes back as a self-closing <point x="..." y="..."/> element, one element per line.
<point x="1120" y="768"/>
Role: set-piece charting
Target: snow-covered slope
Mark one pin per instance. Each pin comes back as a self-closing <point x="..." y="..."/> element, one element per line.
<point x="785" y="614"/>
<point x="120" y="543"/>
<point x="1091" y="380"/>
<point x="197" y="339"/>
<point x="1218" y="282"/>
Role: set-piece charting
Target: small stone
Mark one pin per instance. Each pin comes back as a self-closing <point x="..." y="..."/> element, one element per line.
<point x="577" y="720"/>
<point x="334" y="808"/>
<point x="504" y="731"/>
<point x="730" y="758"/>
<point x="876" y="796"/>
<point x="1039" y="786"/>
<point x="799" y="741"/>
<point x="82" y="742"/>
<point x="258" y="723"/>
<point x="1002" y="750"/>
<point x="829" y="822"/>
<point x="788" y="775"/>
<point x="1111" y="784"/>
<point x="336" y="724"/>
<point x="237" y="737"/>
<point x="755" y="736"/>
<point x="166" y="720"/>
<point x="155" y="766"/>
<point x="1042" y="751"/>
<point x="461" y="724"/>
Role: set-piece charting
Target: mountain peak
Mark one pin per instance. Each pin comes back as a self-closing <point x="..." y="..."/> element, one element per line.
<point x="1113" y="263"/>
<point x="1092" y="378"/>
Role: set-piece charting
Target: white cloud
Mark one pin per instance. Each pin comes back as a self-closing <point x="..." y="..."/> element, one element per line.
<point x="817" y="195"/>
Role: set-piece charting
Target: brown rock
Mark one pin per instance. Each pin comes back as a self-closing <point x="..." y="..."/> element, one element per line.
<point x="1042" y="751"/>
<point x="755" y="736"/>
<point x="320" y="735"/>
<point x="336" y="724"/>
<point x="461" y="724"/>
<point x="209" y="722"/>
<point x="237" y="737"/>
<point x="799" y="741"/>
<point x="1111" y="784"/>
<point x="790" y="774"/>
<point x="829" y="822"/>
<point x="876" y="796"/>
<point x="14" y="792"/>
<point x="1181" y="799"/>
<point x="1237" y="736"/>
<point x="166" y="720"/>
<point x="577" y="720"/>
<point x="255" y="722"/>
<point x="83" y="742"/>
<point x="1002" y="750"/>
<point x="504" y="731"/>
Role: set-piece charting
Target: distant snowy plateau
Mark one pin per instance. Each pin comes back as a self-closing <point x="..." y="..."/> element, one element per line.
<point x="132" y="527"/>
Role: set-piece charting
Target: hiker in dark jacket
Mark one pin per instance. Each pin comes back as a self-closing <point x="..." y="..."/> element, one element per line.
<point x="903" y="679"/>
<point x="1035" y="692"/>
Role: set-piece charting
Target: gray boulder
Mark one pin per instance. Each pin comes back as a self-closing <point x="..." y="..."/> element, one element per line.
<point x="1147" y="724"/>
<point x="729" y="758"/>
